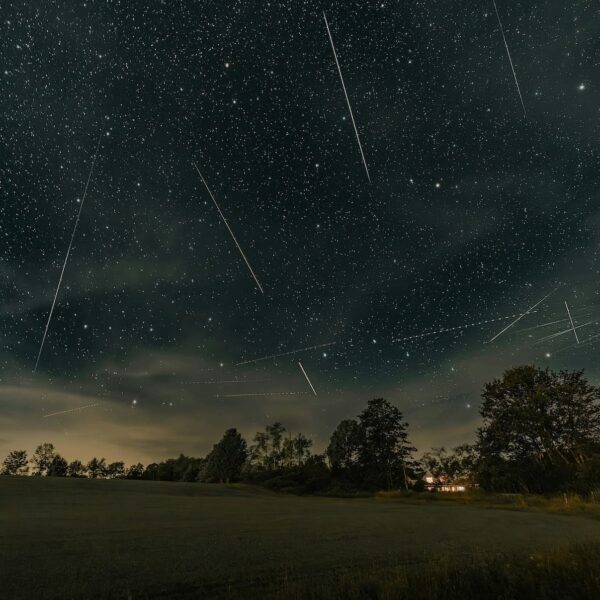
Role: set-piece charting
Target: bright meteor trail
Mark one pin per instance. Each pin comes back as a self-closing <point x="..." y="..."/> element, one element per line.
<point x="571" y="320"/>
<point x="229" y="229"/>
<point x="521" y="316"/>
<point x="67" y="255"/>
<point x="510" y="59"/>
<point x="347" y="99"/>
<point x="307" y="379"/>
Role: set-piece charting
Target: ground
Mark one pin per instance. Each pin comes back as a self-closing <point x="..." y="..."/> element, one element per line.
<point x="80" y="538"/>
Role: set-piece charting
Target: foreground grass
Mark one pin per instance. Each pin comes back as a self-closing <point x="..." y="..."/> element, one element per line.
<point x="79" y="539"/>
<point x="568" y="573"/>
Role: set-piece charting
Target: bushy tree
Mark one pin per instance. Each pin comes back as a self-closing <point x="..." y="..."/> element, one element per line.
<point x="267" y="451"/>
<point x="295" y="450"/>
<point x="135" y="471"/>
<point x="42" y="459"/>
<point x="151" y="472"/>
<point x="16" y="463"/>
<point x="58" y="467"/>
<point x="455" y="466"/>
<point x="539" y="430"/>
<point x="224" y="463"/>
<point x="76" y="469"/>
<point x="115" y="470"/>
<point x="342" y="451"/>
<point x="384" y="452"/>
<point x="96" y="468"/>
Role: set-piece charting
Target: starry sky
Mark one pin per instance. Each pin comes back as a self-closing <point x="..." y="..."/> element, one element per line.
<point x="475" y="212"/>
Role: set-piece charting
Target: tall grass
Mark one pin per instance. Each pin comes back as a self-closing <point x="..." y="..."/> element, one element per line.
<point x="562" y="503"/>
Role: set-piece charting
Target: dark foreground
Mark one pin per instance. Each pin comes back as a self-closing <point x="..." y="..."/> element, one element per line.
<point x="79" y="538"/>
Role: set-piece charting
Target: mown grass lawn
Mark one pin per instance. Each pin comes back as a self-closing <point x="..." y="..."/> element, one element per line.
<point x="80" y="538"/>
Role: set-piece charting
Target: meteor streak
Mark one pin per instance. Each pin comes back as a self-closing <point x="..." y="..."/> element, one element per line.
<point x="62" y="412"/>
<point x="247" y="362"/>
<point x="347" y="99"/>
<point x="67" y="255"/>
<point x="229" y="229"/>
<point x="307" y="379"/>
<point x="569" y="330"/>
<point x="521" y="316"/>
<point x="571" y="320"/>
<point x="510" y="59"/>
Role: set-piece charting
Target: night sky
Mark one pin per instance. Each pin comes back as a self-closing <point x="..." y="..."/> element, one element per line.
<point x="474" y="213"/>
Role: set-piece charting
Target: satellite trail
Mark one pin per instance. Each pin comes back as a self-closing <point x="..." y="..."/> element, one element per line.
<point x="62" y="412"/>
<point x="247" y="362"/>
<point x="67" y="255"/>
<point x="261" y="394"/>
<point x="307" y="379"/>
<point x="438" y="331"/>
<point x="521" y="316"/>
<point x="229" y="229"/>
<point x="224" y="381"/>
<point x="362" y="154"/>
<point x="510" y="59"/>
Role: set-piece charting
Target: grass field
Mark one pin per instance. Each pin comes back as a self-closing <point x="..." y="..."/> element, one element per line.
<point x="80" y="538"/>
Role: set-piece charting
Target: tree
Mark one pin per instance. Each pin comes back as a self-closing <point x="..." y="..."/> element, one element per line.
<point x="539" y="429"/>
<point x="384" y="452"/>
<point x="15" y="463"/>
<point x="151" y="472"/>
<point x="42" y="459"/>
<point x="135" y="471"/>
<point x="115" y="470"/>
<point x="295" y="450"/>
<point x="343" y="448"/>
<point x="96" y="468"/>
<point x="267" y="451"/>
<point x="224" y="463"/>
<point x="455" y="466"/>
<point x="58" y="467"/>
<point x="76" y="469"/>
<point x="315" y="474"/>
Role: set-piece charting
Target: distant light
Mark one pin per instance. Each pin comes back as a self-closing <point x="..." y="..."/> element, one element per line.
<point x="581" y="87"/>
<point x="227" y="65"/>
<point x="438" y="185"/>
<point x="134" y="401"/>
<point x="548" y="355"/>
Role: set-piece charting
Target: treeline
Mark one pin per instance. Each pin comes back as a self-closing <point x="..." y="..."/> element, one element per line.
<point x="540" y="433"/>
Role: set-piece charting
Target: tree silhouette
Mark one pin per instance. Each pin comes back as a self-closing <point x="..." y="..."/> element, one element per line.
<point x="384" y="452"/>
<point x="76" y="469"/>
<point x="225" y="462"/>
<point x="42" y="459"/>
<point x="539" y="428"/>
<point x="15" y="463"/>
<point x="58" y="467"/>
<point x="343" y="448"/>
<point x="96" y="468"/>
